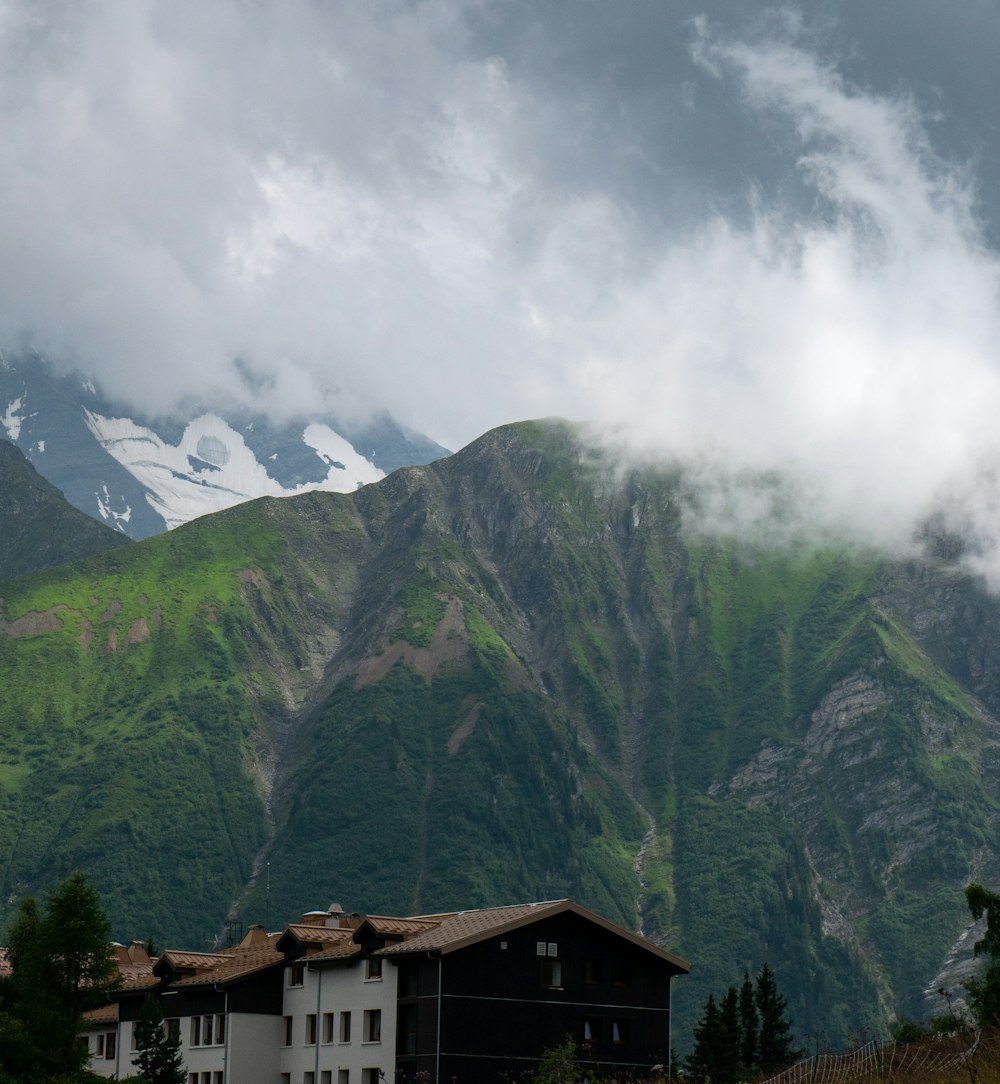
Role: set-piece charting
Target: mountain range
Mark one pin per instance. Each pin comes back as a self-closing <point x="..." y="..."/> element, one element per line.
<point x="142" y="475"/>
<point x="38" y="527"/>
<point x="517" y="673"/>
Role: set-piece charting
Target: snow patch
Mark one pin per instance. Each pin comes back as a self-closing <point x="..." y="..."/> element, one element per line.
<point x="104" y="500"/>
<point x="179" y="491"/>
<point x="13" y="418"/>
<point x="40" y="447"/>
<point x="341" y="457"/>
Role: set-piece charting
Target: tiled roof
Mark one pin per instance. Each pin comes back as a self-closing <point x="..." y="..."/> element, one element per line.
<point x="318" y="934"/>
<point x="239" y="961"/>
<point x="106" y="1014"/>
<point x="403" y="927"/>
<point x="464" y="928"/>
<point x="199" y="961"/>
<point x="451" y="931"/>
<point x="334" y="952"/>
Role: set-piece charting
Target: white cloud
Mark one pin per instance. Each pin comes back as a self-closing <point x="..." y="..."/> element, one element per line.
<point x="356" y="203"/>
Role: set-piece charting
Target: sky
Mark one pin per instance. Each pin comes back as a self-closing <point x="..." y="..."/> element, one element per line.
<point x="757" y="237"/>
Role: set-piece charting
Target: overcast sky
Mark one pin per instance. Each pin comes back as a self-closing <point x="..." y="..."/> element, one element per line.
<point x="761" y="236"/>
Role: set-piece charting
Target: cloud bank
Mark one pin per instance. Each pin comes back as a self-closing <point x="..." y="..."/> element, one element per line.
<point x="368" y="204"/>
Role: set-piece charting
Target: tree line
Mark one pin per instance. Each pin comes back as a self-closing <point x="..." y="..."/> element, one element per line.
<point x="60" y="967"/>
<point x="743" y="1034"/>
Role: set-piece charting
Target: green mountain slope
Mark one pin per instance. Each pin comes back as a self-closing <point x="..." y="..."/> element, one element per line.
<point x="510" y="675"/>
<point x="38" y="526"/>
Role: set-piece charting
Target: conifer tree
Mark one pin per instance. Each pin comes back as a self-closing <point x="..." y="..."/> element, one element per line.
<point x="728" y="1055"/>
<point x="703" y="1060"/>
<point x="775" y="1037"/>
<point x="159" y="1059"/>
<point x="61" y="966"/>
<point x="749" y="1024"/>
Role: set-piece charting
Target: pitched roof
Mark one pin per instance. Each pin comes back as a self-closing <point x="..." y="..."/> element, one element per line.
<point x="312" y="937"/>
<point x="456" y="931"/>
<point x="106" y="1014"/>
<point x="210" y="968"/>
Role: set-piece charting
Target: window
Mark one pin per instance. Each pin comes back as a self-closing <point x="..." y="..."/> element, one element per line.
<point x="373" y="967"/>
<point x="345" y="1027"/>
<point x="408" y="979"/>
<point x="326" y="1077"/>
<point x="206" y="1078"/>
<point x="309" y="1077"/>
<point x="286" y="1078"/>
<point x="593" y="972"/>
<point x="99" y="1050"/>
<point x="217" y="1077"/>
<point x="288" y="1031"/>
<point x="173" y="1027"/>
<point x="192" y="1078"/>
<point x="369" y="1076"/>
<point x="621" y="1032"/>
<point x="296" y="974"/>
<point x="343" y="1076"/>
<point x="551" y="974"/>
<point x="592" y="1029"/>
<point x="373" y="1025"/>
<point x="328" y="1027"/>
<point x="205" y="1030"/>
<point x="407" y="1029"/>
<point x="109" y="1045"/>
<point x="621" y="973"/>
<point x="311" y="1029"/>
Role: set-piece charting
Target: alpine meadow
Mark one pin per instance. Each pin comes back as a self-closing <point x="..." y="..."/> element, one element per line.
<point x="518" y="673"/>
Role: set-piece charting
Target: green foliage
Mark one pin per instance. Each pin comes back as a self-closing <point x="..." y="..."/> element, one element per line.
<point x="158" y="1059"/>
<point x="984" y="989"/>
<point x="559" y="1065"/>
<point x="61" y="966"/>
<point x="423" y="608"/>
<point x="905" y="1031"/>
<point x="774" y="1040"/>
<point x="794" y="728"/>
<point x="745" y="1034"/>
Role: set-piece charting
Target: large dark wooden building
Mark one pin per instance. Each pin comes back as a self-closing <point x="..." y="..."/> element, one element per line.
<point x="484" y="993"/>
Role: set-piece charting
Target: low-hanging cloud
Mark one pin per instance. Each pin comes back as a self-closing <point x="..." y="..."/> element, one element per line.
<point x="360" y="207"/>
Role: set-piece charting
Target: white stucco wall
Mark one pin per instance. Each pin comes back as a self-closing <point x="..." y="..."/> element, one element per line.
<point x="254" y="1049"/>
<point x="339" y="989"/>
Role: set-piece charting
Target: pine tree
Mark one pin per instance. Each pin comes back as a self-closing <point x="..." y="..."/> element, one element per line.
<point x="703" y="1061"/>
<point x="728" y="1055"/>
<point x="775" y="1036"/>
<point x="749" y="1024"/>
<point x="159" y="1059"/>
<point x="61" y="966"/>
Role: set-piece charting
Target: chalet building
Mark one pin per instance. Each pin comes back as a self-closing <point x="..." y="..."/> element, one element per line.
<point x="456" y="998"/>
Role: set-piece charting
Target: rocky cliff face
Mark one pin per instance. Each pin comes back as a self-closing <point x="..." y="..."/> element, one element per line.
<point x="514" y="675"/>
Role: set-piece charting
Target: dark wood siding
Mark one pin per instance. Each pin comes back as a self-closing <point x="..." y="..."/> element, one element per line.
<point x="498" y="1016"/>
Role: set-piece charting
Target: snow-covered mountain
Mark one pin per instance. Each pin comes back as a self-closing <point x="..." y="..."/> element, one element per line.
<point x="143" y="476"/>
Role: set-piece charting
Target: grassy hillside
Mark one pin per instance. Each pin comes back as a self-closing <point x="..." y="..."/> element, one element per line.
<point x="513" y="675"/>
